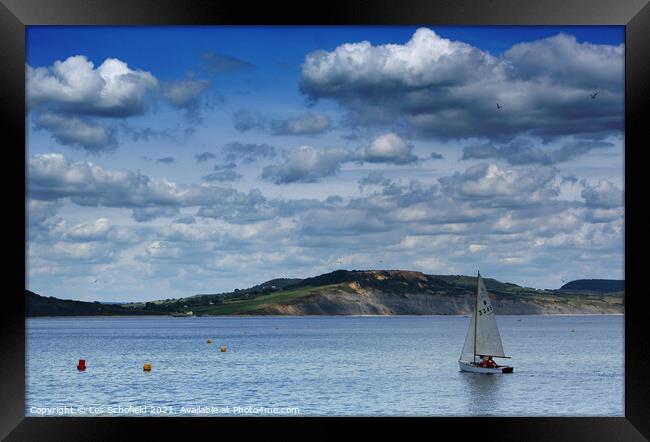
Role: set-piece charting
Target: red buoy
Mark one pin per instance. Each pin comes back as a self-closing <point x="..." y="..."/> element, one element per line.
<point x="82" y="365"/>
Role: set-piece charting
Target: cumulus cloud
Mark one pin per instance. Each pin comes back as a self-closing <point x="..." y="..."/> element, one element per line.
<point x="604" y="195"/>
<point x="39" y="211"/>
<point x="561" y="59"/>
<point x="523" y="153"/>
<point x="186" y="95"/>
<point x="76" y="86"/>
<point x="63" y="97"/>
<point x="240" y="208"/>
<point x="52" y="177"/>
<point x="308" y="124"/>
<point x="511" y="187"/>
<point x="72" y="131"/>
<point x="183" y="94"/>
<point x="482" y="213"/>
<point x="96" y="231"/>
<point x="448" y="89"/>
<point x="341" y="221"/>
<point x="307" y="164"/>
<point x="495" y="215"/>
<point x="373" y="179"/>
<point x="387" y="148"/>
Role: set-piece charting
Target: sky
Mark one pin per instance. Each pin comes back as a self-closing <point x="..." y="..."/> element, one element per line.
<point x="164" y="162"/>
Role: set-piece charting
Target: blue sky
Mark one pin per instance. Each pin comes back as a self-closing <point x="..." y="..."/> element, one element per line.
<point x="169" y="161"/>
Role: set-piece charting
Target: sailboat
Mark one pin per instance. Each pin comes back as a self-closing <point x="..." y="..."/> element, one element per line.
<point x="483" y="339"/>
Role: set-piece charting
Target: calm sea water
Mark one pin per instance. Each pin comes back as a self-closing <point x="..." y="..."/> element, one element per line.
<point x="361" y="366"/>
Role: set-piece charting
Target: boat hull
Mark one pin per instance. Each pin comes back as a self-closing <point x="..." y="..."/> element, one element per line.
<point x="468" y="366"/>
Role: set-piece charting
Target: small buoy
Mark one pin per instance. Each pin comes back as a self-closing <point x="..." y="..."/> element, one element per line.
<point x="223" y="349"/>
<point x="146" y="367"/>
<point x="209" y="341"/>
<point x="572" y="330"/>
<point x="81" y="366"/>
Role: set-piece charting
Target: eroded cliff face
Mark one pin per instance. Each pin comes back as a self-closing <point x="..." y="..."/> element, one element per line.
<point x="357" y="292"/>
<point x="353" y="299"/>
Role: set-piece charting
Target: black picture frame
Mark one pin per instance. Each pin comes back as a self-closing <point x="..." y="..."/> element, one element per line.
<point x="633" y="14"/>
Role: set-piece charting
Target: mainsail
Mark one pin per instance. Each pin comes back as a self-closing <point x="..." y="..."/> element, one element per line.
<point x="483" y="336"/>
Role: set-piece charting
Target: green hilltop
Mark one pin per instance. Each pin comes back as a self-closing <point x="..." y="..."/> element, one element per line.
<point x="376" y="292"/>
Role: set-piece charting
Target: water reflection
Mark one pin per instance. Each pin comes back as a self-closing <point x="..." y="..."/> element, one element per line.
<point x="482" y="393"/>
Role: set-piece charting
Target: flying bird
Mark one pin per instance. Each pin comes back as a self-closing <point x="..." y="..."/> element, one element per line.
<point x="593" y="96"/>
<point x="498" y="106"/>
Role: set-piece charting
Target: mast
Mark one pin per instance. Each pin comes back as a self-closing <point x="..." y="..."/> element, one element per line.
<point x="475" y="313"/>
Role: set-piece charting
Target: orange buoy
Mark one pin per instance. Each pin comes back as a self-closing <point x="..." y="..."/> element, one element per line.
<point x="223" y="349"/>
<point x="146" y="367"/>
<point x="209" y="341"/>
<point x="81" y="366"/>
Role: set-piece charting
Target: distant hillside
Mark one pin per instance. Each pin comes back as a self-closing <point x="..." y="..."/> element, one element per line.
<point x="596" y="285"/>
<point x="37" y="305"/>
<point x="356" y="292"/>
<point x="384" y="292"/>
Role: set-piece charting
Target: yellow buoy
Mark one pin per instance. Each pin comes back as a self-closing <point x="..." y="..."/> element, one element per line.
<point x="223" y="349"/>
<point x="209" y="341"/>
<point x="146" y="367"/>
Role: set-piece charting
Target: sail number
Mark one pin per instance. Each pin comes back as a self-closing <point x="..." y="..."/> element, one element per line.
<point x="485" y="310"/>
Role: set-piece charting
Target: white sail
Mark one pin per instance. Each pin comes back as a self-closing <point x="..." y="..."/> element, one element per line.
<point x="467" y="354"/>
<point x="485" y="338"/>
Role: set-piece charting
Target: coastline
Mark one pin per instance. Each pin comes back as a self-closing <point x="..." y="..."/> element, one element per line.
<point x="315" y="316"/>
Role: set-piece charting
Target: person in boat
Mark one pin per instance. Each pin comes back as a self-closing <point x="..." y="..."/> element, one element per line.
<point x="486" y="361"/>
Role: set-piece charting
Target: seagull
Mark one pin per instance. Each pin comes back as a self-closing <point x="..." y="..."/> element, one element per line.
<point x="593" y="96"/>
<point x="498" y="106"/>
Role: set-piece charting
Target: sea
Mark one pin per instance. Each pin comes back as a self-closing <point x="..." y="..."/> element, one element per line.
<point x="564" y="365"/>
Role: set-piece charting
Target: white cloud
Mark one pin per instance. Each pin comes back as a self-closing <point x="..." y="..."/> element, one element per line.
<point x="307" y="164"/>
<point x="387" y="148"/>
<point x="515" y="185"/>
<point x="90" y="232"/>
<point x="39" y="211"/>
<point x="448" y="89"/>
<point x="604" y="195"/>
<point x="75" y="85"/>
<point x="310" y="164"/>
<point x="184" y="93"/>
<point x="73" y="131"/>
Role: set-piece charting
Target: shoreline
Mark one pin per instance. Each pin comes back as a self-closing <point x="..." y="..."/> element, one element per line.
<point x="313" y="316"/>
